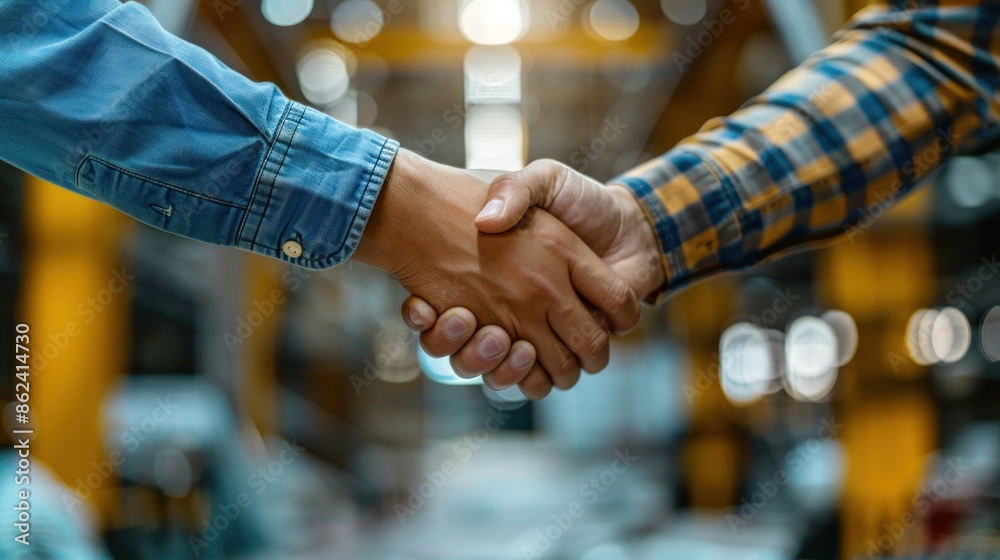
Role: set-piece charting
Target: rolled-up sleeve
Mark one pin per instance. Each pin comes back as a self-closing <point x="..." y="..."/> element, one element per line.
<point x="96" y="97"/>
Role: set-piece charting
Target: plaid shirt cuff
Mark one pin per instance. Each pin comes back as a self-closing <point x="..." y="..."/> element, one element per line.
<point x="694" y="209"/>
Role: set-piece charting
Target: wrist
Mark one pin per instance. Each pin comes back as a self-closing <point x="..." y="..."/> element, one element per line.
<point x="637" y="221"/>
<point x="383" y="243"/>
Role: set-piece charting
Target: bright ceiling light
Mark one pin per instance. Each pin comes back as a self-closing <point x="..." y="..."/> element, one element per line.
<point x="614" y="20"/>
<point x="493" y="22"/>
<point x="286" y="12"/>
<point x="357" y="21"/>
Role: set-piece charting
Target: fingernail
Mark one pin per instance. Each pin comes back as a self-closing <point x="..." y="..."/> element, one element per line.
<point x="416" y="319"/>
<point x="489" y="346"/>
<point x="520" y="358"/>
<point x="492" y="209"/>
<point x="455" y="327"/>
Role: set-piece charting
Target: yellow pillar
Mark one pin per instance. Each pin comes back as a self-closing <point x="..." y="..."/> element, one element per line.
<point x="75" y="299"/>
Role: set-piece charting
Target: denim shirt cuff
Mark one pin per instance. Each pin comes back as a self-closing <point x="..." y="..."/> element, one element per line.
<point x="315" y="190"/>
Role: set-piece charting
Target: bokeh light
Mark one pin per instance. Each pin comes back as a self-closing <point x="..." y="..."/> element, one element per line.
<point x="989" y="335"/>
<point x="357" y="21"/>
<point x="846" y="331"/>
<point x="811" y="358"/>
<point x="951" y="335"/>
<point x="492" y="75"/>
<point x="684" y="12"/>
<point x="492" y="22"/>
<point x="614" y="20"/>
<point x="323" y="76"/>
<point x="970" y="181"/>
<point x="918" y="337"/>
<point x="934" y="336"/>
<point x="746" y="363"/>
<point x="286" y="12"/>
<point x="810" y="347"/>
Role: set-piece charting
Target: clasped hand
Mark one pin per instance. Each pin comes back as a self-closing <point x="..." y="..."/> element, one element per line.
<point x="549" y="259"/>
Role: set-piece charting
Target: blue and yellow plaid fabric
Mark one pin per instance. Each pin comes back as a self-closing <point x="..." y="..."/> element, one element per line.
<point x="902" y="88"/>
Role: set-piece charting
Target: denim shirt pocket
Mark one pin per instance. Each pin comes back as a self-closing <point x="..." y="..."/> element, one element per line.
<point x="169" y="207"/>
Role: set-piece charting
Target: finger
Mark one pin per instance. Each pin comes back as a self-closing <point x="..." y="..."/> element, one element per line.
<point x="558" y="361"/>
<point x="514" y="368"/>
<point x="418" y="314"/>
<point x="482" y="353"/>
<point x="511" y="194"/>
<point x="605" y="290"/>
<point x="536" y="385"/>
<point x="584" y="336"/>
<point x="453" y="328"/>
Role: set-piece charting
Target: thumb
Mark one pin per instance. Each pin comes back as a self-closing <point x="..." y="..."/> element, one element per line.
<point x="512" y="194"/>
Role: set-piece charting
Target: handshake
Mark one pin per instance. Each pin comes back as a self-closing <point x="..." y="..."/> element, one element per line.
<point x="549" y="259"/>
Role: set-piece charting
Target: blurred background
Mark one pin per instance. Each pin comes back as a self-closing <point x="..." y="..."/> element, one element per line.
<point x="189" y="401"/>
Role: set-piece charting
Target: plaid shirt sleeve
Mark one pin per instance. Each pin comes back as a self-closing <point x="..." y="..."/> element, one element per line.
<point x="903" y="88"/>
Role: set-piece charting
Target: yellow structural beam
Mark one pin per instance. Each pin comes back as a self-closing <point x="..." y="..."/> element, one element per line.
<point x="76" y="300"/>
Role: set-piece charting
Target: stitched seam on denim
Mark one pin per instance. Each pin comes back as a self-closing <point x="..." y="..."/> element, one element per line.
<point x="256" y="181"/>
<point x="142" y="177"/>
<point x="277" y="172"/>
<point x="368" y="185"/>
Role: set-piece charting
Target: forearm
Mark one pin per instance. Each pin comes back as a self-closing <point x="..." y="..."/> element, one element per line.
<point x="860" y="123"/>
<point x="99" y="99"/>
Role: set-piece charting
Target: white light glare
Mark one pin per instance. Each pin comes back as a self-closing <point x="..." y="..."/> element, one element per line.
<point x="286" y="12"/>
<point x="439" y="370"/>
<point x="492" y="22"/>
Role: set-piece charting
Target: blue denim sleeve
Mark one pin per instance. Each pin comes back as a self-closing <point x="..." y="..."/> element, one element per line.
<point x="96" y="97"/>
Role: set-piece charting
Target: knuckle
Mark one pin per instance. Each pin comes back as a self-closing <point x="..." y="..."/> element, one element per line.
<point x="535" y="386"/>
<point x="597" y="342"/>
<point x="567" y="367"/>
<point x="618" y="297"/>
